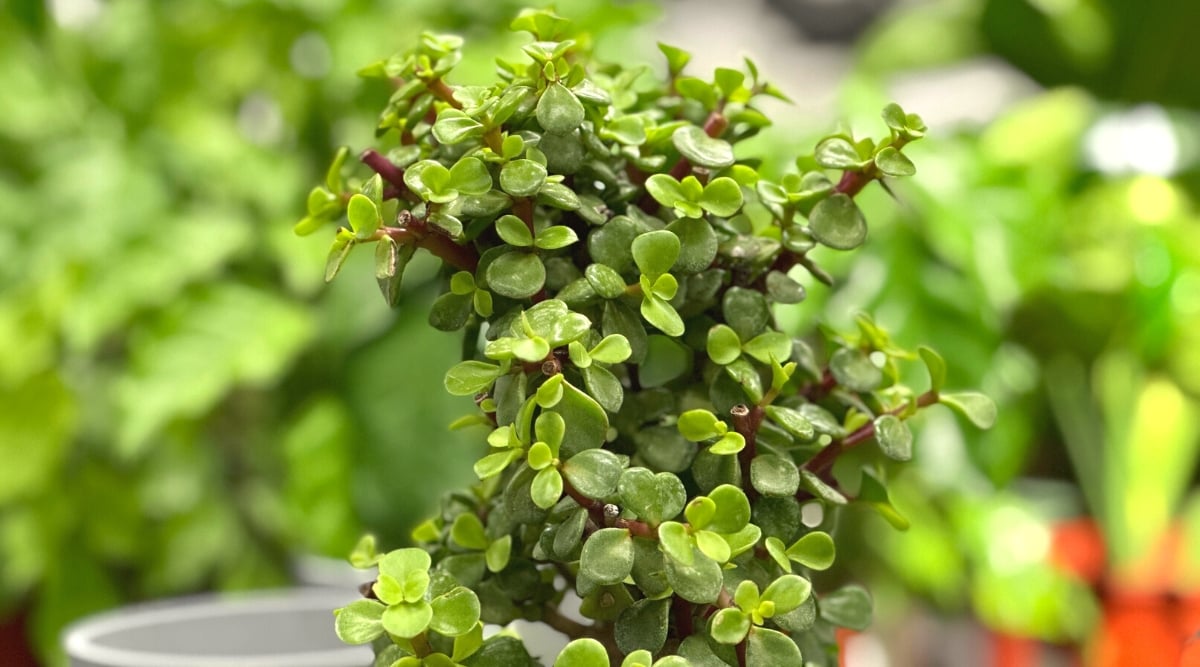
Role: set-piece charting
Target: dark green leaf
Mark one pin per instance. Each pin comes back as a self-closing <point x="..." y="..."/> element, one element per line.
<point x="604" y="387"/>
<point x="854" y="370"/>
<point x="771" y="648"/>
<point x="522" y="178"/>
<point x="774" y="475"/>
<point x="837" y="223"/>
<point x="894" y="163"/>
<point x="517" y="275"/>
<point x="847" y="607"/>
<point x="652" y="497"/>
<point x="894" y="437"/>
<point x="594" y="472"/>
<point x="643" y="626"/>
<point x="607" y="556"/>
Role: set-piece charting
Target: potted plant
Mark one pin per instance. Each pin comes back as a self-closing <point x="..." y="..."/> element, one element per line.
<point x="653" y="439"/>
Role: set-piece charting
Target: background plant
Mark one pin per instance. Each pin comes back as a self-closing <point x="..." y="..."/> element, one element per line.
<point x="652" y="435"/>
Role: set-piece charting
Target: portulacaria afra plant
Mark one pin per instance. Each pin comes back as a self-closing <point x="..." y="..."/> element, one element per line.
<point x="651" y="435"/>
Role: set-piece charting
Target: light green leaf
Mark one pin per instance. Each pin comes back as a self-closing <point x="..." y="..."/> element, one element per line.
<point x="655" y="252"/>
<point x="467" y="531"/>
<point x="584" y="652"/>
<point x="936" y="367"/>
<point x="729" y="626"/>
<point x="733" y="509"/>
<point x="894" y="163"/>
<point x="977" y="408"/>
<point x="553" y="238"/>
<point x="613" y="349"/>
<point x="514" y="231"/>
<point x="713" y="545"/>
<point x="364" y="217"/>
<point x="787" y="592"/>
<point x="547" y="488"/>
<point x="359" y="622"/>
<point x="675" y="541"/>
<point x="662" y="315"/>
<point x="723" y="346"/>
<point x="468" y="378"/>
<point x="699" y="425"/>
<point x="838" y="153"/>
<point x="722" y="197"/>
<point x="407" y="619"/>
<point x="770" y="648"/>
<point x="770" y="345"/>
<point x="470" y="177"/>
<point x="498" y="554"/>
<point x="455" y="613"/>
<point x="814" y="550"/>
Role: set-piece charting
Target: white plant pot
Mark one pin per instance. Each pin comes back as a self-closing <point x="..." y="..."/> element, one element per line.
<point x="291" y="628"/>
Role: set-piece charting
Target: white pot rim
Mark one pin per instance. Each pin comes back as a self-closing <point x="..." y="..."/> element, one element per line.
<point x="84" y="640"/>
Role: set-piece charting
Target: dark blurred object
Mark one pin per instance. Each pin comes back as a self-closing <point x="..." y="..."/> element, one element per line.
<point x="831" y="20"/>
<point x="1125" y="50"/>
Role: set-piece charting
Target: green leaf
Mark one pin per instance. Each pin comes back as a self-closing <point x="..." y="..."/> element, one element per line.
<point x="699" y="425"/>
<point x="729" y="626"/>
<point x="407" y="619"/>
<point x="558" y="110"/>
<point x="547" y="488"/>
<point x="604" y="387"/>
<point x="698" y="245"/>
<point x="470" y="177"/>
<point x="532" y="350"/>
<point x="390" y="262"/>
<point x="594" y="472"/>
<point x="655" y="252"/>
<point x="838" y="153"/>
<point x="468" y="378"/>
<point x="409" y="567"/>
<point x="514" y="231"/>
<point x="540" y="456"/>
<point x="821" y="490"/>
<point x="677" y="58"/>
<point x="494" y="464"/>
<point x="702" y="150"/>
<point x="338" y="252"/>
<point x="455" y="613"/>
<point x="584" y="652"/>
<point x="787" y="592"/>
<point x="517" y="275"/>
<point x="652" y="497"/>
<point x="333" y="175"/>
<point x="498" y="554"/>
<point x="364" y="554"/>
<point x="662" y="315"/>
<point x="854" y="370"/>
<point x="847" y="607"/>
<point x="894" y="116"/>
<point x="778" y="552"/>
<point x="746" y="310"/>
<point x="522" y="178"/>
<point x="670" y="192"/>
<point x="814" y="550"/>
<point x="612" y="349"/>
<point x="619" y="319"/>
<point x="559" y="196"/>
<point x="553" y="320"/>
<point x="605" y="280"/>
<point x="746" y="597"/>
<point x="723" y="345"/>
<point x="587" y="423"/>
<point x="770" y="345"/>
<point x="733" y="509"/>
<point x="699" y="581"/>
<point x="676" y="542"/>
<point x="782" y="289"/>
<point x="977" y="408"/>
<point x="837" y="223"/>
<point x="607" y="556"/>
<point x="743" y="540"/>
<point x="639" y="658"/>
<point x="792" y="421"/>
<point x="643" y="626"/>
<point x="467" y="531"/>
<point x="453" y="126"/>
<point x="894" y="437"/>
<point x="773" y="475"/>
<point x="730" y="443"/>
<point x="936" y="367"/>
<point x="558" y="236"/>
<point x="770" y="648"/>
<point x="512" y="146"/>
<point x="364" y="217"/>
<point x="467" y="644"/>
<point x="550" y="428"/>
<point x="894" y="163"/>
<point x="713" y="545"/>
<point x="872" y="492"/>
<point x="722" y="197"/>
<point x="431" y="180"/>
<point x="700" y="512"/>
<point x="359" y="622"/>
<point x="728" y="80"/>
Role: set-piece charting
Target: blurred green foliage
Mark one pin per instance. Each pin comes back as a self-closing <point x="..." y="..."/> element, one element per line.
<point x="183" y="404"/>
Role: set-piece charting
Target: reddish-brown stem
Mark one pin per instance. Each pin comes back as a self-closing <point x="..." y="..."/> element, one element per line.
<point x="523" y="208"/>
<point x="826" y="457"/>
<point x="459" y="256"/>
<point x="815" y="391"/>
<point x="682" y="610"/>
<point x="443" y="92"/>
<point x="746" y="422"/>
<point x="602" y="514"/>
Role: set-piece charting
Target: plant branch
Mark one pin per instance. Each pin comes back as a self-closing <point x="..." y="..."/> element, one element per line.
<point x="826" y="457"/>
<point x="746" y="421"/>
<point x="413" y="231"/>
<point x="391" y="174"/>
<point x="443" y="92"/>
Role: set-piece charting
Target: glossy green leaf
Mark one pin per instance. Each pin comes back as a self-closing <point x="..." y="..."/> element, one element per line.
<point x="894" y="437"/>
<point x="837" y="223"/>
<point x="430" y="180"/>
<point x="699" y="425"/>
<point x="774" y="475"/>
<point x="787" y="592"/>
<point x="730" y="443"/>
<point x="722" y="197"/>
<point x="514" y="231"/>
<point x="470" y="177"/>
<point x="770" y="345"/>
<point x="729" y="626"/>
<point x="522" y="178"/>
<point x="364" y="217"/>
<point x="498" y="553"/>
<point x="468" y="378"/>
<point x="936" y="367"/>
<point x="553" y="238"/>
<point x="605" y="280"/>
<point x="607" y="556"/>
<point x="792" y="421"/>
<point x="733" y="509"/>
<point x="676" y="542"/>
<point x="612" y="349"/>
<point x="517" y="275"/>
<point x="494" y="464"/>
<point x="407" y="619"/>
<point x="655" y="252"/>
<point x="652" y="497"/>
<point x="713" y="545"/>
<point x="977" y="408"/>
<point x="584" y="652"/>
<point x="604" y="387"/>
<point x="699" y="581"/>
<point x="723" y="345"/>
<point x="467" y="531"/>
<point x="594" y="472"/>
<point x="702" y="150"/>
<point x="587" y="423"/>
<point x="838" y="153"/>
<point x="453" y="126"/>
<point x="894" y="163"/>
<point x="455" y="613"/>
<point x="558" y="110"/>
<point x="771" y="648"/>
<point x="547" y="488"/>
<point x="359" y="622"/>
<point x="814" y="550"/>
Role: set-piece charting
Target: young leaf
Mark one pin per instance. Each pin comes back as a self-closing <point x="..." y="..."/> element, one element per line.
<point x="553" y="238"/>
<point x="584" y="652"/>
<point x="936" y="367"/>
<point x="894" y="163"/>
<point x="407" y="619"/>
<point x="723" y="346"/>
<point x="814" y="550"/>
<point x="655" y="252"/>
<point x="455" y="613"/>
<point x="787" y="592"/>
<point x="894" y="437"/>
<point x="547" y="488"/>
<point x="360" y="622"/>
<point x="467" y="531"/>
<point x="722" y="197"/>
<point x="468" y="378"/>
<point x="977" y="408"/>
<point x="364" y="217"/>
<point x="729" y="626"/>
<point x="470" y="177"/>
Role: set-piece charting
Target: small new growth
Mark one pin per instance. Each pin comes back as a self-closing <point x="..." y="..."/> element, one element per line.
<point x="651" y="436"/>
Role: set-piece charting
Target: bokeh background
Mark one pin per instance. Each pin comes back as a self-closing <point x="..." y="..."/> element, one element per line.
<point x="186" y="406"/>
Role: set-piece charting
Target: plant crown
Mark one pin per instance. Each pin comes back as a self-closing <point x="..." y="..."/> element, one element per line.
<point x="652" y="436"/>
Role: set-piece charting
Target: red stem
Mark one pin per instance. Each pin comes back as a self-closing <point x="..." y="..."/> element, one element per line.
<point x="826" y="457"/>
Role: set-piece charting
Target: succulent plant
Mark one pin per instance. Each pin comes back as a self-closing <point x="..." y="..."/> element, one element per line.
<point x="613" y="265"/>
